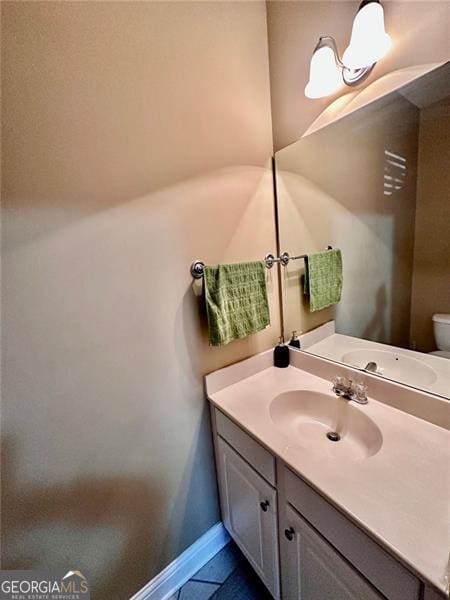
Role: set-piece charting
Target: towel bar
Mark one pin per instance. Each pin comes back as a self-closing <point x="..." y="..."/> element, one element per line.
<point x="269" y="259"/>
<point x="198" y="265"/>
<point x="285" y="257"/>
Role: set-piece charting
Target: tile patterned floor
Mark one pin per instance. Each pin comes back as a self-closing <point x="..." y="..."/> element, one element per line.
<point x="228" y="576"/>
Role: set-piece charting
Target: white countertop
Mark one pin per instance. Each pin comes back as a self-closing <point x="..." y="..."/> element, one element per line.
<point x="400" y="495"/>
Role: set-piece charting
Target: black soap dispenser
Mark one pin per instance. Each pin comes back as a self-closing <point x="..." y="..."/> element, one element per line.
<point x="281" y="355"/>
<point x="295" y="342"/>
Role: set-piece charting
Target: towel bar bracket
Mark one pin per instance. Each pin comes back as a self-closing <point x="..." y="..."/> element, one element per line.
<point x="270" y="260"/>
<point x="197" y="269"/>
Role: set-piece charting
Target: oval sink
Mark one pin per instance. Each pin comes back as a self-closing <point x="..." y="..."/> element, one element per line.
<point x="306" y="417"/>
<point x="393" y="366"/>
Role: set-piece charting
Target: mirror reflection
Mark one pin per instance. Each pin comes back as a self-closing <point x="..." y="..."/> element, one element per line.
<point x="375" y="184"/>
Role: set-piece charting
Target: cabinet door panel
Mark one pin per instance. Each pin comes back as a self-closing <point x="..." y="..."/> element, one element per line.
<point x="314" y="570"/>
<point x="386" y="574"/>
<point x="249" y="514"/>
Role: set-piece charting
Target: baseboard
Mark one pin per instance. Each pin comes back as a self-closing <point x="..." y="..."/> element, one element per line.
<point x="184" y="566"/>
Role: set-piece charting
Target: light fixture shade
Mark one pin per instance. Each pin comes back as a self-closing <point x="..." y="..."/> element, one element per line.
<point x="324" y="73"/>
<point x="369" y="41"/>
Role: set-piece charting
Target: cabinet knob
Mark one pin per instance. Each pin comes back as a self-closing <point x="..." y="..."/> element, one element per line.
<point x="289" y="533"/>
<point x="264" y="505"/>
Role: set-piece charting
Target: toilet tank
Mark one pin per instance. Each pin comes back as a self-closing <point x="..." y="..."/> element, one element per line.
<point x="441" y="328"/>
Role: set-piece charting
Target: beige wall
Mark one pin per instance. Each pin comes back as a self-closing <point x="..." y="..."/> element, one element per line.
<point x="431" y="283"/>
<point x="136" y="138"/>
<point x="330" y="188"/>
<point x="420" y="33"/>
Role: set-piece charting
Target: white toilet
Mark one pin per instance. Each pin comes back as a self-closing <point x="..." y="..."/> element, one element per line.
<point x="441" y="328"/>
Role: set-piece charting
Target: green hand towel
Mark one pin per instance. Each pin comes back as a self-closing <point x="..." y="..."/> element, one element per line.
<point x="236" y="301"/>
<point x="323" y="278"/>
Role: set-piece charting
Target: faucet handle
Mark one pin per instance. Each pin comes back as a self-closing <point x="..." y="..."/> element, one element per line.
<point x="360" y="392"/>
<point x="339" y="384"/>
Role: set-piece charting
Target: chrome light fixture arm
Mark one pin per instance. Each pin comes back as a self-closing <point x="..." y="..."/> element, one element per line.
<point x="351" y="77"/>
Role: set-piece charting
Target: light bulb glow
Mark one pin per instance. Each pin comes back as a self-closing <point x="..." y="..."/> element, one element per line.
<point x="324" y="74"/>
<point x="369" y="41"/>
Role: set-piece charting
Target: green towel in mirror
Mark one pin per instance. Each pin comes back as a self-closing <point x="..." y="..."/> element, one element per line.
<point x="236" y="301"/>
<point x="323" y="278"/>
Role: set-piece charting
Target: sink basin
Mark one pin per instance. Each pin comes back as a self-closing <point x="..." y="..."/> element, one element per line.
<point x="306" y="417"/>
<point x="393" y="365"/>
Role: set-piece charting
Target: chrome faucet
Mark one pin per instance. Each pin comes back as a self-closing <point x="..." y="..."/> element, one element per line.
<point x="350" y="390"/>
<point x="371" y="367"/>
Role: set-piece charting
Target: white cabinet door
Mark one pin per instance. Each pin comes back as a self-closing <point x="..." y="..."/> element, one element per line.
<point x="250" y="514"/>
<point x="313" y="570"/>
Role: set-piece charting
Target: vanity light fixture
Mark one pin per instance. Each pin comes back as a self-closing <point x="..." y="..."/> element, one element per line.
<point x="368" y="43"/>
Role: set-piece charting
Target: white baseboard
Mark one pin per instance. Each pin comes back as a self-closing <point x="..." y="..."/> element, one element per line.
<point x="184" y="566"/>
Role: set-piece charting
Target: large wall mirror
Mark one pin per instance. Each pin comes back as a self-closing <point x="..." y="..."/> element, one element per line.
<point x="375" y="183"/>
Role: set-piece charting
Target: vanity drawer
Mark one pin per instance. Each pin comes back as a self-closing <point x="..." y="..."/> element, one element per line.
<point x="260" y="459"/>
<point x="384" y="572"/>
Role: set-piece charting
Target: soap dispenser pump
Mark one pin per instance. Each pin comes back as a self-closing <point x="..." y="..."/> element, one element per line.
<point x="281" y="355"/>
<point x="295" y="342"/>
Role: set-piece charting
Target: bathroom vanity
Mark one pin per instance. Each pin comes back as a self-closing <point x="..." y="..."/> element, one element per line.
<point x="364" y="517"/>
<point x="329" y="499"/>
